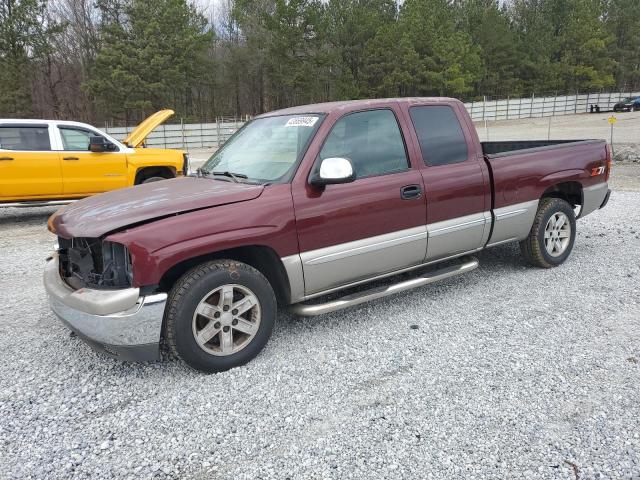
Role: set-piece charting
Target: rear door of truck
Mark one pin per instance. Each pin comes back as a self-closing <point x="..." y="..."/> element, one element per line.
<point x="29" y="168"/>
<point x="456" y="178"/>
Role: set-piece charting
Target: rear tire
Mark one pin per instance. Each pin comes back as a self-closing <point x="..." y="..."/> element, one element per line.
<point x="552" y="235"/>
<point x="219" y="315"/>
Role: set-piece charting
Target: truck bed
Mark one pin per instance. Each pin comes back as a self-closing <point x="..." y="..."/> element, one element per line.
<point x="509" y="147"/>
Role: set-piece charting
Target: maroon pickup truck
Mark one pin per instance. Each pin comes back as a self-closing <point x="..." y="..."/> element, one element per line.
<point x="305" y="202"/>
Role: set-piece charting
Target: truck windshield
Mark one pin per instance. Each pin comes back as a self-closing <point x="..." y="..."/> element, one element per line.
<point x="265" y="150"/>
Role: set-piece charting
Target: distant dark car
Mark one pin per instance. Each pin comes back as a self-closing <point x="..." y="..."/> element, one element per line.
<point x="629" y="104"/>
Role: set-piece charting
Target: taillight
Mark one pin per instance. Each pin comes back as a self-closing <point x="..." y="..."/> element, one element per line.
<point x="608" y="161"/>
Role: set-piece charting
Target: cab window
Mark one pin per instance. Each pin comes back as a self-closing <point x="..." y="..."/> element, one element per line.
<point x="439" y="134"/>
<point x="371" y="140"/>
<point x="33" y="138"/>
<point x="76" y="139"/>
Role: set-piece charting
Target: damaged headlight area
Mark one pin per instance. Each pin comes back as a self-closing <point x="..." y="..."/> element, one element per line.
<point x="94" y="263"/>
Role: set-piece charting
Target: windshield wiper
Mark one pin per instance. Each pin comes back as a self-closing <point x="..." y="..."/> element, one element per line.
<point x="234" y="176"/>
<point x="231" y="175"/>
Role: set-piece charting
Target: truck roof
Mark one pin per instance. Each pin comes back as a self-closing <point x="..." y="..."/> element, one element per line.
<point x="32" y="121"/>
<point x="329" y="107"/>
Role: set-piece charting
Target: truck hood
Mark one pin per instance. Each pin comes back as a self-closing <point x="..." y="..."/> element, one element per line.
<point x="142" y="131"/>
<point x="101" y="214"/>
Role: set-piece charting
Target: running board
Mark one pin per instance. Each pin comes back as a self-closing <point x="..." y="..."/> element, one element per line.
<point x="467" y="264"/>
<point x="37" y="203"/>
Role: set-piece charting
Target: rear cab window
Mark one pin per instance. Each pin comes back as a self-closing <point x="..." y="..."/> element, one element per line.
<point x="371" y="140"/>
<point x="32" y="138"/>
<point x="440" y="134"/>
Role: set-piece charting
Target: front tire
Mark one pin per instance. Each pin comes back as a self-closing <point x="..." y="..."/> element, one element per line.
<point x="219" y="315"/>
<point x="152" y="179"/>
<point x="552" y="235"/>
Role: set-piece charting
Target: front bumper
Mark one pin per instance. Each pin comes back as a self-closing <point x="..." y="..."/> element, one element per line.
<point x="119" y="322"/>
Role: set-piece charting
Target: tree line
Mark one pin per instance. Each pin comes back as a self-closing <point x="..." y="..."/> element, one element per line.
<point x="119" y="60"/>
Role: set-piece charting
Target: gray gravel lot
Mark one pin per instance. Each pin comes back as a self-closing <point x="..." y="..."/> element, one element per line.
<point x="508" y="372"/>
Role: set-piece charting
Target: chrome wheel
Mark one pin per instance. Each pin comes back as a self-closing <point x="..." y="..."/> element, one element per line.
<point x="226" y="320"/>
<point x="557" y="234"/>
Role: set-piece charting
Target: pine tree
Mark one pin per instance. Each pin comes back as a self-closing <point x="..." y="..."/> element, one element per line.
<point x="151" y="60"/>
<point x="24" y="33"/>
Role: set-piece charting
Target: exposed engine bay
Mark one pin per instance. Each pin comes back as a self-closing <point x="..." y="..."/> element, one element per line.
<point x="94" y="263"/>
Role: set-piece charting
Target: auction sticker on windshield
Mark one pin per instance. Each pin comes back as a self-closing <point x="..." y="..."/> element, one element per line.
<point x="301" y="122"/>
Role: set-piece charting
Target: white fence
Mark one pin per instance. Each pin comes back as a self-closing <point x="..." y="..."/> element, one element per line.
<point x="189" y="136"/>
<point x="515" y="108"/>
<point x="186" y="136"/>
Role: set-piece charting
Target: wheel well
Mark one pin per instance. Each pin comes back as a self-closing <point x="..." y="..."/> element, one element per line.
<point x="571" y="192"/>
<point x="148" y="172"/>
<point x="263" y="259"/>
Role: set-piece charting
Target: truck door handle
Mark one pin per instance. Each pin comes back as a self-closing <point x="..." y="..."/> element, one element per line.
<point x="411" y="191"/>
<point x="4" y="159"/>
<point x="70" y="158"/>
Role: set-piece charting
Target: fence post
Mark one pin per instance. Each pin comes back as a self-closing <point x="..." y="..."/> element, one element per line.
<point x="184" y="143"/>
<point x="217" y="132"/>
<point x="486" y="128"/>
<point x="533" y="97"/>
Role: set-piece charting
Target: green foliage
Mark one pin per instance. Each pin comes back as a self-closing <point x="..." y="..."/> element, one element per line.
<point x="622" y="23"/>
<point x="24" y="35"/>
<point x="269" y="54"/>
<point x="151" y="58"/>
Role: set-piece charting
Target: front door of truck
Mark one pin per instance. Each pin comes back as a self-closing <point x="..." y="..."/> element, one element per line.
<point x="86" y="172"/>
<point x="29" y="169"/>
<point x="372" y="226"/>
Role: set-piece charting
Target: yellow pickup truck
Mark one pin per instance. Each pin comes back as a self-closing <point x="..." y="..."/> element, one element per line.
<point x="51" y="162"/>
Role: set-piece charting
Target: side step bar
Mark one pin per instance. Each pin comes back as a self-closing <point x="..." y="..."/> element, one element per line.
<point x="467" y="264"/>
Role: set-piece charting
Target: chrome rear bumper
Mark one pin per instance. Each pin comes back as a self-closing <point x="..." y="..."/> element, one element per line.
<point x="121" y="323"/>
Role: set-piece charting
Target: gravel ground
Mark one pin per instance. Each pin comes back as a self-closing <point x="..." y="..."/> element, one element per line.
<point x="507" y="372"/>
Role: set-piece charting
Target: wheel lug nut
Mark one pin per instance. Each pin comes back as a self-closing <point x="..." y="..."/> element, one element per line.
<point x="225" y="308"/>
<point x="225" y="329"/>
<point x="216" y="315"/>
<point x="235" y="311"/>
<point x="217" y="325"/>
<point x="235" y="322"/>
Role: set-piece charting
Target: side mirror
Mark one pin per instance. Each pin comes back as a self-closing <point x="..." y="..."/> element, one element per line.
<point x="99" y="144"/>
<point x="332" y="171"/>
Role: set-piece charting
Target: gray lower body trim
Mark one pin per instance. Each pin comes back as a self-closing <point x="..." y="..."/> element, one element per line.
<point x="592" y="198"/>
<point x="293" y="267"/>
<point x="326" y="270"/>
<point x="458" y="235"/>
<point x="334" y="266"/>
<point x="513" y="222"/>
